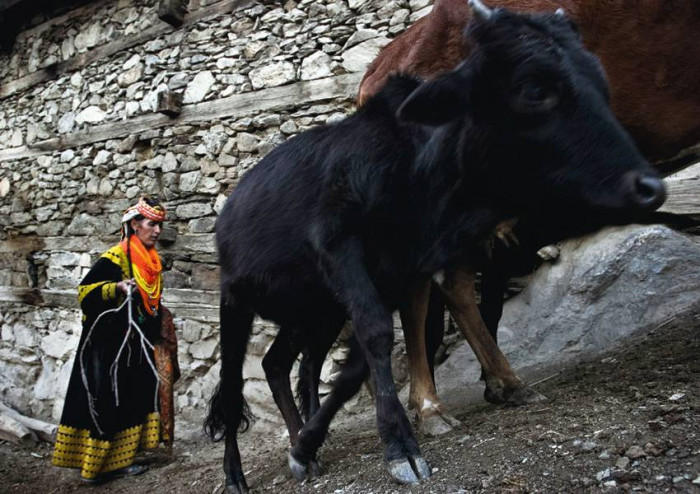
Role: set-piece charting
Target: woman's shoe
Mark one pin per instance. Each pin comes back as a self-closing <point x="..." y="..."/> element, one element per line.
<point x="97" y="480"/>
<point x="129" y="471"/>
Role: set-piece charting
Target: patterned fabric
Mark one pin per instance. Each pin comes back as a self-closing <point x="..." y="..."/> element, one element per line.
<point x="142" y="208"/>
<point x="168" y="372"/>
<point x="76" y="449"/>
<point x="147" y="270"/>
<point x="103" y="426"/>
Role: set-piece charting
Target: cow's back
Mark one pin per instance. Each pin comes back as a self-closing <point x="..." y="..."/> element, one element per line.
<point x="434" y="43"/>
<point x="273" y="215"/>
<point x="649" y="50"/>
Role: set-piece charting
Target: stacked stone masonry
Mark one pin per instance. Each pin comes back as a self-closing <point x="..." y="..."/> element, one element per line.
<point x="66" y="174"/>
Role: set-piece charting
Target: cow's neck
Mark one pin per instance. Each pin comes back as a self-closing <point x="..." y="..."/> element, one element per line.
<point x="457" y="217"/>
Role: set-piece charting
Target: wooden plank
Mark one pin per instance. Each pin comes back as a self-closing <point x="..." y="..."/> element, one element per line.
<point x="169" y="103"/>
<point x="174" y="298"/>
<point x="85" y="9"/>
<point x="277" y="98"/>
<point x="691" y="172"/>
<point x="71" y="244"/>
<point x="201" y="313"/>
<point x="102" y="52"/>
<point x="196" y="243"/>
<point x="79" y="244"/>
<point x="21" y="244"/>
<point x="172" y="12"/>
<point x="183" y="297"/>
<point x="12" y="295"/>
<point x="683" y="197"/>
<point x="15" y="432"/>
<point x="44" y="430"/>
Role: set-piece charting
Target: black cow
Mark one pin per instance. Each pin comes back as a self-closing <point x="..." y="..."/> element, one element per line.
<point x="340" y="221"/>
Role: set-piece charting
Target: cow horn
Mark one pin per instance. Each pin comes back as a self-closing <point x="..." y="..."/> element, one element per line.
<point x="480" y="10"/>
<point x="560" y="12"/>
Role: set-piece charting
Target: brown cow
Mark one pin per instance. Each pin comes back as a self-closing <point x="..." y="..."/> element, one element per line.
<point x="650" y="52"/>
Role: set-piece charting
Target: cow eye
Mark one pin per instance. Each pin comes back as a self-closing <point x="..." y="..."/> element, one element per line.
<point x="536" y="97"/>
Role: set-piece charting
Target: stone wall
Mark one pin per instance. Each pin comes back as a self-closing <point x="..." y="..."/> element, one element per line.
<point x="79" y="141"/>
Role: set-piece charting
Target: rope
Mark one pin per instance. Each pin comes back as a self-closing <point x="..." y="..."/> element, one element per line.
<point x="114" y="368"/>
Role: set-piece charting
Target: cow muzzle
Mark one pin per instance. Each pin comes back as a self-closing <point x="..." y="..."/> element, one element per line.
<point x="645" y="191"/>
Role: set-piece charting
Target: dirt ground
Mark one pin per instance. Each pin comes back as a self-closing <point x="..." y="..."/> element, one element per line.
<point x="628" y="421"/>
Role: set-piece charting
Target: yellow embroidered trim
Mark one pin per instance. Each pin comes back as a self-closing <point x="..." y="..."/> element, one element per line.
<point x="109" y="291"/>
<point x="117" y="255"/>
<point x="84" y="290"/>
<point x="76" y="449"/>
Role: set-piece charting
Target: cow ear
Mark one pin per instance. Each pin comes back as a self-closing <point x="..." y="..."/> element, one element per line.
<point x="438" y="101"/>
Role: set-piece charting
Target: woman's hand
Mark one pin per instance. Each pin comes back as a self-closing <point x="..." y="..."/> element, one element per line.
<point x="125" y="286"/>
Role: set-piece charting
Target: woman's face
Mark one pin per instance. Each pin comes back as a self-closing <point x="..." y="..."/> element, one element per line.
<point x="147" y="231"/>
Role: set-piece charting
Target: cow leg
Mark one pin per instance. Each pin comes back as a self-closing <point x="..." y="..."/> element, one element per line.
<point x="374" y="332"/>
<point x="352" y="375"/>
<point x="315" y="354"/>
<point x="306" y="386"/>
<point x="277" y="363"/>
<point x="348" y="383"/>
<point x="228" y="408"/>
<point x="502" y="385"/>
<point x="494" y="278"/>
<point x="434" y="326"/>
<point x="312" y="363"/>
<point x="235" y="480"/>
<point x="494" y="281"/>
<point x="423" y="398"/>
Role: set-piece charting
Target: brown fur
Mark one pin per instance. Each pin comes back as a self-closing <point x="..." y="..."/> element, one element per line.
<point x="649" y="48"/>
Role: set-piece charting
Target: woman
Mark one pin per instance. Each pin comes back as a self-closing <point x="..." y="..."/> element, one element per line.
<point x="111" y="409"/>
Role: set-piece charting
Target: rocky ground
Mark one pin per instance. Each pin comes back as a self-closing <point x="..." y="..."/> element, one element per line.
<point x="628" y="421"/>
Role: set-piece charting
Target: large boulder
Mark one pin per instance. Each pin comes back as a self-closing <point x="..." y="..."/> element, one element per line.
<point x="602" y="289"/>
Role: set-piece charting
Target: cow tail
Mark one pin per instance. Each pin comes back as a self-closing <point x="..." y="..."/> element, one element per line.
<point x="228" y="409"/>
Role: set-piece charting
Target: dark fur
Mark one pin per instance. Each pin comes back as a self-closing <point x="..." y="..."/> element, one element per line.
<point x="337" y="222"/>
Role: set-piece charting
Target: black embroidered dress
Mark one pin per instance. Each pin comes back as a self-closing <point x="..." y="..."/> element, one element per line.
<point x="108" y="438"/>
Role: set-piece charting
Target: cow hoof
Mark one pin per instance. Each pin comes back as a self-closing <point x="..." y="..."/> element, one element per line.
<point x="494" y="395"/>
<point x="549" y="253"/>
<point x="420" y="466"/>
<point x="525" y="396"/>
<point x="500" y="395"/>
<point x="409" y="470"/>
<point x="315" y="468"/>
<point x="240" y="488"/>
<point x="297" y="468"/>
<point x="437" y="424"/>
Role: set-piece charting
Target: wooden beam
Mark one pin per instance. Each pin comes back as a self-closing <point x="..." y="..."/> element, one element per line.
<point x="15" y="432"/>
<point x="44" y="430"/>
<point x="684" y="193"/>
<point x="173" y="297"/>
<point x="101" y="52"/>
<point x="172" y="12"/>
<point x="277" y="98"/>
<point x="169" y="103"/>
<point x="198" y="305"/>
<point x="84" y="9"/>
<point x="195" y="243"/>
